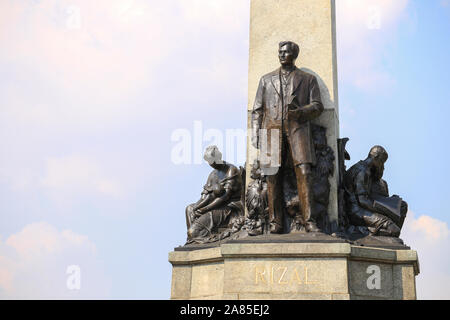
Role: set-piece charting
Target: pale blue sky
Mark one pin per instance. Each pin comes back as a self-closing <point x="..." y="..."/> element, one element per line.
<point x="91" y="94"/>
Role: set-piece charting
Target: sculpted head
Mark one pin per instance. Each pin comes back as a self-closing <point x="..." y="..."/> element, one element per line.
<point x="288" y="52"/>
<point x="213" y="156"/>
<point x="379" y="156"/>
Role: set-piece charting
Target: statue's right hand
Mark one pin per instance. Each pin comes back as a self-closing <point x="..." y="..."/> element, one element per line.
<point x="297" y="113"/>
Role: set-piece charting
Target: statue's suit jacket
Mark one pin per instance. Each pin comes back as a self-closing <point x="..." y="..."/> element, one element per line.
<point x="268" y="111"/>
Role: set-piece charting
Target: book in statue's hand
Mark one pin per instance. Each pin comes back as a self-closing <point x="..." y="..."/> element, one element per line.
<point x="389" y="206"/>
<point x="290" y="102"/>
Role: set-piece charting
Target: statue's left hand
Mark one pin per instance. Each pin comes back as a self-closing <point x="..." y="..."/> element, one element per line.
<point x="295" y="112"/>
<point x="199" y="212"/>
<point x="304" y="113"/>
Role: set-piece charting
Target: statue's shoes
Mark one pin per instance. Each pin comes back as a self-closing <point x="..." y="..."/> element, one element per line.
<point x="275" y="228"/>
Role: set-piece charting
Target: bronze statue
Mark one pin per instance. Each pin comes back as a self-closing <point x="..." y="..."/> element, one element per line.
<point x="220" y="207"/>
<point x="287" y="100"/>
<point x="291" y="192"/>
<point x="368" y="204"/>
<point x="256" y="202"/>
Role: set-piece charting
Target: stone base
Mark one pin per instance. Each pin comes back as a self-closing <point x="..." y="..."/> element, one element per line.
<point x="312" y="271"/>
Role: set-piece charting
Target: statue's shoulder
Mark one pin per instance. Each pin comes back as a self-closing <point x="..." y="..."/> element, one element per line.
<point x="305" y="74"/>
<point x="232" y="169"/>
<point x="268" y="76"/>
<point x="357" y="168"/>
<point x="212" y="175"/>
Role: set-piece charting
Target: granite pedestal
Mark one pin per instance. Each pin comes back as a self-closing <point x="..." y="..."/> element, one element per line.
<point x="286" y="269"/>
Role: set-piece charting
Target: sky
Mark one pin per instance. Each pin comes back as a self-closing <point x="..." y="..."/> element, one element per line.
<point x="95" y="97"/>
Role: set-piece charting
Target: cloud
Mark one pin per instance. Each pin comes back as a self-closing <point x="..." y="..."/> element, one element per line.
<point x="432" y="230"/>
<point x="430" y="238"/>
<point x="34" y="262"/>
<point x="121" y="70"/>
<point x="85" y="63"/>
<point x="218" y="15"/>
<point x="364" y="28"/>
<point x="78" y="62"/>
<point x="78" y="174"/>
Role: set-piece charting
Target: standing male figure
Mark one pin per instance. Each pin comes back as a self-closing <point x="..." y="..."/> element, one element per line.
<point x="286" y="101"/>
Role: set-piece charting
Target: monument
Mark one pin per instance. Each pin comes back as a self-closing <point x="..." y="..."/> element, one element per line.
<point x="295" y="223"/>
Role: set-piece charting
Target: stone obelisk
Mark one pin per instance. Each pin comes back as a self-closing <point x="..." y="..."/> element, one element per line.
<point x="311" y="24"/>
